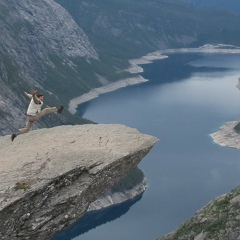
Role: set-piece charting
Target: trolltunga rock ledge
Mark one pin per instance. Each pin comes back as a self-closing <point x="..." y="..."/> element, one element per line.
<point x="49" y="177"/>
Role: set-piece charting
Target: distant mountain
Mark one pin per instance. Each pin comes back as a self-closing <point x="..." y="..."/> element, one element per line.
<point x="230" y="5"/>
<point x="134" y="27"/>
<point x="66" y="48"/>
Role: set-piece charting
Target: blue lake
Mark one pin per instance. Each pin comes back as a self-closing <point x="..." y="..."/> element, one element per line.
<point x="188" y="96"/>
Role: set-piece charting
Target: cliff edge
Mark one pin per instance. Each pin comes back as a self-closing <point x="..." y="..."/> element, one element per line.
<point x="49" y="177"/>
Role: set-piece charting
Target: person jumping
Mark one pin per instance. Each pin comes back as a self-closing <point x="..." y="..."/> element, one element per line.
<point x="34" y="111"/>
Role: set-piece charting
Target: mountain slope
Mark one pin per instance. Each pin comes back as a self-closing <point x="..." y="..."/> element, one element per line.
<point x="121" y="28"/>
<point x="37" y="39"/>
<point x="65" y="48"/>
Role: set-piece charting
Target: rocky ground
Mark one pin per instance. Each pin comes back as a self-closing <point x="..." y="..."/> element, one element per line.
<point x="49" y="177"/>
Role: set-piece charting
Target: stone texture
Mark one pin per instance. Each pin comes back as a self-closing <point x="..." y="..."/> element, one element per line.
<point x="126" y="190"/>
<point x="49" y="177"/>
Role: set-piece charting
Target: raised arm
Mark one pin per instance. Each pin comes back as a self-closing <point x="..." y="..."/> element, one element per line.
<point x="35" y="98"/>
<point x="28" y="95"/>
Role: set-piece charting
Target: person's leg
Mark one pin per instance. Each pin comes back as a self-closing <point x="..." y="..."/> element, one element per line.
<point x="31" y="120"/>
<point x="46" y="111"/>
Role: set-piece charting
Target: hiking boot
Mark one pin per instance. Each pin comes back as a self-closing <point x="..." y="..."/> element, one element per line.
<point x="13" y="136"/>
<point x="60" y="109"/>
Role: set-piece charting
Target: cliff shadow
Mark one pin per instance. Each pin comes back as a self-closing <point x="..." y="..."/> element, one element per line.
<point x="94" y="219"/>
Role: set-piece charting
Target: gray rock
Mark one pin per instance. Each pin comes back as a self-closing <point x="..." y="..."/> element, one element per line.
<point x="49" y="177"/>
<point x="121" y="193"/>
<point x="227" y="136"/>
<point x="201" y="236"/>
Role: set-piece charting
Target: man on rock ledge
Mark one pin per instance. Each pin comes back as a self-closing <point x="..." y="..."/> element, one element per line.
<point x="34" y="111"/>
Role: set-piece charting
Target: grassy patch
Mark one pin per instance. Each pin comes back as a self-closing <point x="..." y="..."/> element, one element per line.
<point x="22" y="186"/>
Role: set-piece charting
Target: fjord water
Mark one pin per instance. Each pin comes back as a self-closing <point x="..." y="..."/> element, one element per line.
<point x="188" y="96"/>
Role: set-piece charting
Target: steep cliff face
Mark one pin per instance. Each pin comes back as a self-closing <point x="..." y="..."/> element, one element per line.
<point x="33" y="30"/>
<point x="36" y="39"/>
<point x="127" y="189"/>
<point x="49" y="177"/>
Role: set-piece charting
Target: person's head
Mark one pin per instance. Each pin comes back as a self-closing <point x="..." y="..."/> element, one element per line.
<point x="40" y="96"/>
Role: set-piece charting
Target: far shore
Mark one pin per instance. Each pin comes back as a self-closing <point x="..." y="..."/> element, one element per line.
<point x="135" y="68"/>
<point x="94" y="93"/>
<point x="227" y="136"/>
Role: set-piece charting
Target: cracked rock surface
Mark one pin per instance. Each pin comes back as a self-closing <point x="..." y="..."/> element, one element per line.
<point x="49" y="177"/>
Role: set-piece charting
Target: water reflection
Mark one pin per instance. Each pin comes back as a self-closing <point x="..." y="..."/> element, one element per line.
<point x="94" y="219"/>
<point x="178" y="67"/>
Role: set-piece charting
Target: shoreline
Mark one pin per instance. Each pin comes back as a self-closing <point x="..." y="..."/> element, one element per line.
<point x="226" y="136"/>
<point x="94" y="93"/>
<point x="135" y="68"/>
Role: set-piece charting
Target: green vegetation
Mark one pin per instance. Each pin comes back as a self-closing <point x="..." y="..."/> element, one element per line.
<point x="218" y="215"/>
<point x="22" y="186"/>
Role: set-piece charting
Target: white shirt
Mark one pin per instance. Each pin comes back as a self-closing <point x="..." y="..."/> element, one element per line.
<point x="33" y="108"/>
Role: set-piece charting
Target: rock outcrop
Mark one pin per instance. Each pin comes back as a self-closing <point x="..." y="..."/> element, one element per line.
<point x="227" y="136"/>
<point x="49" y="177"/>
<point x="220" y="220"/>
